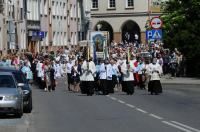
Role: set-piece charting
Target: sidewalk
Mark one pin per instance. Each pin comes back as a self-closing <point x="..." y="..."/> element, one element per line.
<point x="180" y="80"/>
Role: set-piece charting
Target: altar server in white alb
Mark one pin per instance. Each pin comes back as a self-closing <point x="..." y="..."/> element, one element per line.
<point x="127" y="70"/>
<point x="87" y="78"/>
<point x="106" y="77"/>
<point x="155" y="71"/>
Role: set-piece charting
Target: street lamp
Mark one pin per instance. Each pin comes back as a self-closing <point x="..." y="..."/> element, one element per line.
<point x="99" y="27"/>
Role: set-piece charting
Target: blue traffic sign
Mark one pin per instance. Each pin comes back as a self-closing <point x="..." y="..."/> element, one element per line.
<point x="155" y="34"/>
<point x="39" y="34"/>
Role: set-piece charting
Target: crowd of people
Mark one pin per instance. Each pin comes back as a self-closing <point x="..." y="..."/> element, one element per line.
<point x="123" y="69"/>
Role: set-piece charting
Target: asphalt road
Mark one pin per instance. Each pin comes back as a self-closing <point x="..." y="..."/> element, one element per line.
<point x="176" y="110"/>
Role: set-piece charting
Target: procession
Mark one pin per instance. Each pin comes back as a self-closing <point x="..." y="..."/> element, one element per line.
<point x="122" y="69"/>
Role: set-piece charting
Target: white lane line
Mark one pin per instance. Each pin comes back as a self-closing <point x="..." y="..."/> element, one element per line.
<point x="178" y="127"/>
<point x="120" y="101"/>
<point x="108" y="95"/>
<point x="143" y="111"/>
<point x="188" y="127"/>
<point x="113" y="98"/>
<point x="155" y="116"/>
<point x="129" y="105"/>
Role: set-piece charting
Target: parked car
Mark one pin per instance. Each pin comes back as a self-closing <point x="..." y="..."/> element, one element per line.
<point x="11" y="95"/>
<point x="27" y="91"/>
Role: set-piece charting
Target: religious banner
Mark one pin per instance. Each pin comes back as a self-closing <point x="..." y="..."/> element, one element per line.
<point x="99" y="40"/>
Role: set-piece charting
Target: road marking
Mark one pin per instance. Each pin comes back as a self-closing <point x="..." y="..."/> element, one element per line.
<point x="129" y="105"/>
<point x="188" y="127"/>
<point x="113" y="98"/>
<point x="155" y="116"/>
<point x="178" y="127"/>
<point x="143" y="111"/>
<point x="120" y="101"/>
<point x="174" y="124"/>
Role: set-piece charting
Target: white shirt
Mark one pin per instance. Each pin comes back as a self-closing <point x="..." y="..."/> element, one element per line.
<point x="58" y="70"/>
<point x="40" y="71"/>
<point x="102" y="74"/>
<point x="105" y="71"/>
<point x="155" y="70"/>
<point x="88" y="73"/>
<point x="127" y="74"/>
<point x="69" y="67"/>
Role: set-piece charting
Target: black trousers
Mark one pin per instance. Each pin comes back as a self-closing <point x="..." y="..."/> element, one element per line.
<point x="142" y="81"/>
<point x="87" y="87"/>
<point x="112" y="84"/>
<point x="155" y="86"/>
<point x="129" y="87"/>
<point x="69" y="80"/>
<point x="104" y="86"/>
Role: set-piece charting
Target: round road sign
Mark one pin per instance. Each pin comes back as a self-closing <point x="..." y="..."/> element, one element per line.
<point x="156" y="23"/>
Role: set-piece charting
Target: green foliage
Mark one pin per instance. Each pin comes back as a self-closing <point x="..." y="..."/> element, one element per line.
<point x="182" y="26"/>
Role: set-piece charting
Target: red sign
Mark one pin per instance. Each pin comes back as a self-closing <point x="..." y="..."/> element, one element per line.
<point x="156" y="23"/>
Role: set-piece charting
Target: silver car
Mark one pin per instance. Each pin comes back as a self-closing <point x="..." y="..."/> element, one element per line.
<point x="11" y="95"/>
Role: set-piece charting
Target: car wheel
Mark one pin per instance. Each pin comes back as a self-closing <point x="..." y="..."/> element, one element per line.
<point x="29" y="107"/>
<point x="19" y="114"/>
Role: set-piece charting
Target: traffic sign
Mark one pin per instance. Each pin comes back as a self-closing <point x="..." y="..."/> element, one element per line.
<point x="155" y="34"/>
<point x="156" y="23"/>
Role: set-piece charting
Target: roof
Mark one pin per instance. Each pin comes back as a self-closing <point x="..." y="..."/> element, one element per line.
<point x="11" y="69"/>
<point x="6" y="73"/>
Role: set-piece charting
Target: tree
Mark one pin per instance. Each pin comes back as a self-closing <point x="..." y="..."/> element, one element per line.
<point x="182" y="27"/>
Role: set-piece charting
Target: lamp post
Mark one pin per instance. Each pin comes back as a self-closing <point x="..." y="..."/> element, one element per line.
<point x="99" y="27"/>
<point x="149" y="10"/>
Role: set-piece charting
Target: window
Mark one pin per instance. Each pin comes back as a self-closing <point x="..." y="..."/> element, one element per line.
<point x="129" y="3"/>
<point x="45" y="7"/>
<point x="6" y="81"/>
<point x="112" y="4"/>
<point x="1" y="6"/>
<point x="95" y="4"/>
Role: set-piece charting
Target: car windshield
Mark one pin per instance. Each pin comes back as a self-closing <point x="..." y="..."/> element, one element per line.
<point x="19" y="77"/>
<point x="6" y="81"/>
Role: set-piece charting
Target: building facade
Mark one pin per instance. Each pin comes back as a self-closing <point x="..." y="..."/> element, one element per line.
<point x="33" y="25"/>
<point x="36" y="25"/>
<point x="53" y="24"/>
<point x="12" y="26"/>
<point x="74" y="22"/>
<point x="124" y="19"/>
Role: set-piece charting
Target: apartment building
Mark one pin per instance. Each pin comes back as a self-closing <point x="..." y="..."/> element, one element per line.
<point x="2" y="49"/>
<point x="33" y="25"/>
<point x="12" y="26"/>
<point x="44" y="22"/>
<point x="59" y="22"/>
<point x="74" y="19"/>
<point x="124" y="19"/>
